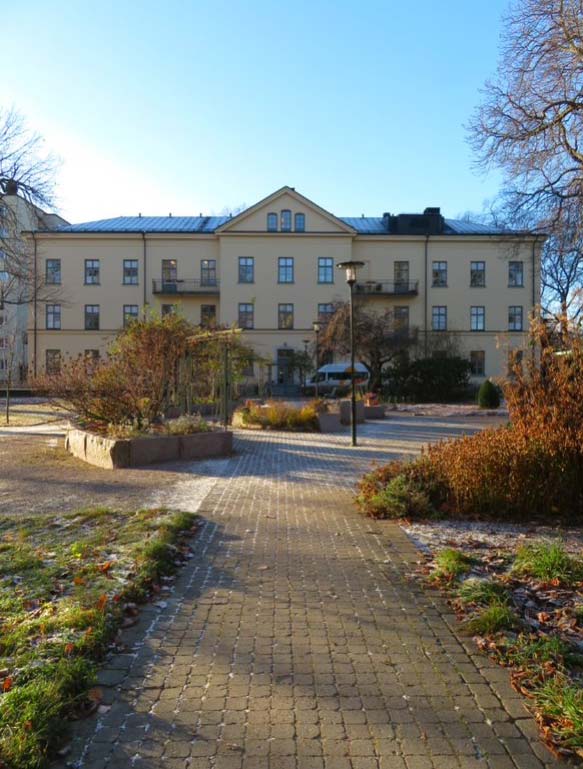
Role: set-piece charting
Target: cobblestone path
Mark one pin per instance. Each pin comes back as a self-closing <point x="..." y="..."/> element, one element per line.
<point x="294" y="640"/>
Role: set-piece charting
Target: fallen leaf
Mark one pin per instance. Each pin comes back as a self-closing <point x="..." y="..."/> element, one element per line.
<point x="7" y="685"/>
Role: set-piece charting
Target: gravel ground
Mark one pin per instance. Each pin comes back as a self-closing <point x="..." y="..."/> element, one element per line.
<point x="37" y="476"/>
<point x="432" y="536"/>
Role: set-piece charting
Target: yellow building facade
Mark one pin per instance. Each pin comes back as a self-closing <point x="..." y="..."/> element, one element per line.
<point x="272" y="270"/>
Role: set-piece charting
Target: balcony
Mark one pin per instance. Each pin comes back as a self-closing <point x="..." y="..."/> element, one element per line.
<point x="185" y="287"/>
<point x="388" y="288"/>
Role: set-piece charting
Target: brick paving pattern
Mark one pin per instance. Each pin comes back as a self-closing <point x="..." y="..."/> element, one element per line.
<point x="294" y="639"/>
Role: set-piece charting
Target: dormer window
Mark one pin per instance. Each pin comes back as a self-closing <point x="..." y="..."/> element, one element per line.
<point x="271" y="222"/>
<point x="300" y="222"/>
<point x="286" y="220"/>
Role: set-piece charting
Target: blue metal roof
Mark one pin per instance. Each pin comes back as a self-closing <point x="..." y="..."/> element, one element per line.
<point x="369" y="225"/>
<point x="365" y="225"/>
<point x="149" y="224"/>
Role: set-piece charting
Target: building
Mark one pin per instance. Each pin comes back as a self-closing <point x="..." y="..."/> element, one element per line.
<point x="271" y="269"/>
<point x="18" y="281"/>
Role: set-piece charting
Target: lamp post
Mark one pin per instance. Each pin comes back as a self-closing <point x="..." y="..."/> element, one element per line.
<point x="316" y="327"/>
<point x="351" y="267"/>
<point x="303" y="372"/>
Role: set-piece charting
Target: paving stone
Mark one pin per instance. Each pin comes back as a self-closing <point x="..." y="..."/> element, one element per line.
<point x="295" y="639"/>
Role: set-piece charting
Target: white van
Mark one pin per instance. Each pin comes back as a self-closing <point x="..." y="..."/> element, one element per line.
<point x="334" y="378"/>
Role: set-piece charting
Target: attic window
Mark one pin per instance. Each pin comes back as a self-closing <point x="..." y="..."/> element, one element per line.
<point x="300" y="222"/>
<point x="286" y="220"/>
<point x="271" y="222"/>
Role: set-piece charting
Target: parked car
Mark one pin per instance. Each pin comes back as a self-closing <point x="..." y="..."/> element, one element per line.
<point x="334" y="379"/>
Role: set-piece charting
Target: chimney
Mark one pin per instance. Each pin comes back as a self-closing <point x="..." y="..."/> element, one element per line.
<point x="387" y="221"/>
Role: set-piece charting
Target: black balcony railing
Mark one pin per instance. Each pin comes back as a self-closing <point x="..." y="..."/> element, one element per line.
<point x="388" y="287"/>
<point x="185" y="286"/>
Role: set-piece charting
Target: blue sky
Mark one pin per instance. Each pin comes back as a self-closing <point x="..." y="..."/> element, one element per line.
<point x="187" y="107"/>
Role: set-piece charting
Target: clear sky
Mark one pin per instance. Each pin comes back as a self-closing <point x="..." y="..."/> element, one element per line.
<point x="187" y="106"/>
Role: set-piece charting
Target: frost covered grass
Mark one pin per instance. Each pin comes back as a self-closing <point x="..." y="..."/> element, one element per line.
<point x="67" y="585"/>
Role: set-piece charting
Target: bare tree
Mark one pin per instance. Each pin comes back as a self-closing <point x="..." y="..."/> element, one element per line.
<point x="530" y="125"/>
<point x="379" y="337"/>
<point x="27" y="177"/>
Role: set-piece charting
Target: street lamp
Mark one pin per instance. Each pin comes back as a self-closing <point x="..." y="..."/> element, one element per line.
<point x="316" y="327"/>
<point x="351" y="267"/>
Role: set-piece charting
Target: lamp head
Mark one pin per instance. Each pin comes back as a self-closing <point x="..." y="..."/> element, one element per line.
<point x="350" y="268"/>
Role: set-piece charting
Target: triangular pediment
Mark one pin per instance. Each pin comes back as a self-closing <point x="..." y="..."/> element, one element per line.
<point x="255" y="218"/>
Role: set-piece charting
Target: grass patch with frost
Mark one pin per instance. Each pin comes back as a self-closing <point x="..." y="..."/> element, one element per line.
<point x="492" y="619"/>
<point x="65" y="583"/>
<point x="548" y="562"/>
<point x="451" y="563"/>
<point x="482" y="592"/>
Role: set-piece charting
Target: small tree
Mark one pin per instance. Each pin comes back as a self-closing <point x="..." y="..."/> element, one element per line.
<point x="135" y="383"/>
<point x="379" y="338"/>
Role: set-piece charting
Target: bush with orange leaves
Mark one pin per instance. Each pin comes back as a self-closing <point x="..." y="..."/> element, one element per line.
<point x="532" y="468"/>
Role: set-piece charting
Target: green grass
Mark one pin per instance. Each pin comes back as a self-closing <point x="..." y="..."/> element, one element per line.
<point x="63" y="585"/>
<point x="562" y="702"/>
<point x="482" y="592"/>
<point x="450" y="564"/>
<point x="492" y="619"/>
<point x="533" y="652"/>
<point x="548" y="562"/>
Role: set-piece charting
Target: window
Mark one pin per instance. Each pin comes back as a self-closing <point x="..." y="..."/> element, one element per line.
<point x="53" y="361"/>
<point x="477" y="274"/>
<point x="271" y="222"/>
<point x="325" y="269"/>
<point x="477" y="363"/>
<point x="130" y="313"/>
<point x="169" y="274"/>
<point x="401" y="315"/>
<point x="515" y="318"/>
<point x="168" y="309"/>
<point x="286" y="221"/>
<point x="208" y="272"/>
<point x="53" y="272"/>
<point x="130" y="272"/>
<point x="515" y="274"/>
<point x="477" y="318"/>
<point x="439" y="274"/>
<point x="246" y="315"/>
<point x="54" y="316"/>
<point x="248" y="368"/>
<point x="246" y="269"/>
<point x="439" y="318"/>
<point x="92" y="317"/>
<point x="401" y="276"/>
<point x="286" y="270"/>
<point x="91" y="272"/>
<point x="208" y="315"/>
<point x="300" y="222"/>
<point x="325" y="312"/>
<point x="285" y="316"/>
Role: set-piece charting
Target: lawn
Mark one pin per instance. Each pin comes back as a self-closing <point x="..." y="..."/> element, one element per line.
<point x="68" y="584"/>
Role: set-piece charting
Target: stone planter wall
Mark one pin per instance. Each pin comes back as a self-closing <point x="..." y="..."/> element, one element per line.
<point x="137" y="452"/>
<point x="330" y="423"/>
<point x="345" y="410"/>
<point x="374" y="412"/>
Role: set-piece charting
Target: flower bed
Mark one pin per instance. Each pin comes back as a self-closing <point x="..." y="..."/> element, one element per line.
<point x="68" y="584"/>
<point x="277" y="415"/>
<point x="149" y="449"/>
<point x="524" y="608"/>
